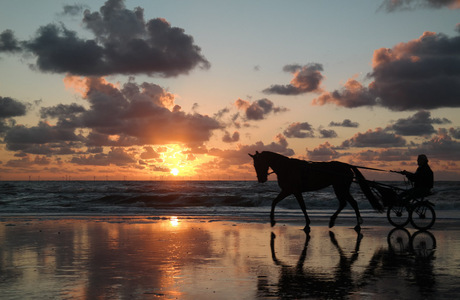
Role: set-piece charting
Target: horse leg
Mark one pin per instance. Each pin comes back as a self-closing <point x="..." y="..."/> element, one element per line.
<point x="354" y="204"/>
<point x="342" y="204"/>
<point x="343" y="194"/>
<point x="299" y="198"/>
<point x="277" y="200"/>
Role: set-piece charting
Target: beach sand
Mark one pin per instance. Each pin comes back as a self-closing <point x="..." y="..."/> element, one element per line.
<point x="122" y="257"/>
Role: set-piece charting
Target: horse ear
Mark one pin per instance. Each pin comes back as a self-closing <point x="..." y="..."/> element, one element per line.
<point x="251" y="155"/>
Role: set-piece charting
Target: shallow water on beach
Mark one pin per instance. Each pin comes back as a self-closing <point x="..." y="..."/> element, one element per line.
<point x="204" y="258"/>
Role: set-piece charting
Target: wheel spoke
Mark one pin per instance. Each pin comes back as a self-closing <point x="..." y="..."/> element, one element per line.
<point x="422" y="216"/>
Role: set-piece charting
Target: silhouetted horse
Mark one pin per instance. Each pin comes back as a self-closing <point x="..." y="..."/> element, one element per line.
<point x="297" y="176"/>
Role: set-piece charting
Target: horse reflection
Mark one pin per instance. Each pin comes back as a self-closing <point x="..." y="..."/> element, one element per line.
<point x="401" y="272"/>
<point x="298" y="282"/>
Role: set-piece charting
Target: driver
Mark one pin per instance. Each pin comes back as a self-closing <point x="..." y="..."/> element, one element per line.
<point x="422" y="179"/>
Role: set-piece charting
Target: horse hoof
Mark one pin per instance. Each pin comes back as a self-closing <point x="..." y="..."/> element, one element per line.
<point x="273" y="222"/>
<point x="331" y="224"/>
<point x="306" y="229"/>
<point x="358" y="228"/>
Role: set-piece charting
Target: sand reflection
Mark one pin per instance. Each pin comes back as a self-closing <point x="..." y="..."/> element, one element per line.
<point x="100" y="259"/>
<point x="142" y="258"/>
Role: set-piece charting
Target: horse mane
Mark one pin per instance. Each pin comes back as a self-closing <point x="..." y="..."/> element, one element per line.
<point x="274" y="154"/>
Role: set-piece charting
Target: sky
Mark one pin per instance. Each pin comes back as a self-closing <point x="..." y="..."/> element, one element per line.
<point x="147" y="90"/>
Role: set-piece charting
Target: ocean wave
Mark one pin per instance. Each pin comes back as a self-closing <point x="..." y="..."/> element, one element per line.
<point x="153" y="197"/>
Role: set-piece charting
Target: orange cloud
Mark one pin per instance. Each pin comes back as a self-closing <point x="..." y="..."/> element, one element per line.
<point x="407" y="50"/>
<point x="81" y="85"/>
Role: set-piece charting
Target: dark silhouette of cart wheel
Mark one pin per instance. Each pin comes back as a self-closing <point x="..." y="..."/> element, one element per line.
<point x="419" y="212"/>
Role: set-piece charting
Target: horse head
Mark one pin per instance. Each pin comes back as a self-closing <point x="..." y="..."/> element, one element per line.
<point x="261" y="166"/>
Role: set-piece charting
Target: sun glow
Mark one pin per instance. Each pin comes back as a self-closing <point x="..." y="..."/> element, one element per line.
<point x="174" y="221"/>
<point x="175" y="171"/>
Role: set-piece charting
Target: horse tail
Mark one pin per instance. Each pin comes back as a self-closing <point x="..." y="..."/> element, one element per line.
<point x="367" y="190"/>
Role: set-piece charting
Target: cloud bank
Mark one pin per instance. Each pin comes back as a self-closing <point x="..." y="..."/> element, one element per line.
<point x="123" y="43"/>
<point x="421" y="74"/>
<point x="135" y="114"/>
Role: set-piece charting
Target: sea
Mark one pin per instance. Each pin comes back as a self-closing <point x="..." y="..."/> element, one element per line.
<point x="248" y="200"/>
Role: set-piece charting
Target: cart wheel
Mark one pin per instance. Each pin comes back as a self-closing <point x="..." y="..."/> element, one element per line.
<point x="422" y="216"/>
<point x="423" y="244"/>
<point x="398" y="215"/>
<point x="399" y="241"/>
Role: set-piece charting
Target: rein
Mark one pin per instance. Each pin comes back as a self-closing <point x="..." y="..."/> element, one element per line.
<point x="373" y="169"/>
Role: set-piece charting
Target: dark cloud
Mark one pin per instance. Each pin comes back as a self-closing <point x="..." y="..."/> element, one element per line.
<point x="441" y="147"/>
<point x="26" y="162"/>
<point x="227" y="138"/>
<point x="306" y="79"/>
<point x="392" y="5"/>
<point x="95" y="150"/>
<point x="455" y="133"/>
<point x="61" y="111"/>
<point x="8" y="42"/>
<point x="376" y="138"/>
<point x="299" y="130"/>
<point x="325" y="133"/>
<point x="116" y="156"/>
<point x="417" y="125"/>
<point x="124" y="43"/>
<point x="116" y="117"/>
<point x="11" y="108"/>
<point x="421" y="74"/>
<point x="345" y="123"/>
<point x="159" y="169"/>
<point x="20" y="137"/>
<point x="324" y="152"/>
<point x="67" y="115"/>
<point x="138" y="115"/>
<point x="258" y="109"/>
<point x="95" y="139"/>
<point x="383" y="155"/>
<point x="42" y="139"/>
<point x="149" y="153"/>
<point x="59" y="50"/>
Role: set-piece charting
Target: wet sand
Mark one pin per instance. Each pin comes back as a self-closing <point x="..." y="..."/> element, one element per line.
<point x="207" y="258"/>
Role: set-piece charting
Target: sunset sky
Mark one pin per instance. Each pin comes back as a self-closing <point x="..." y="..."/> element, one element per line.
<point x="142" y="90"/>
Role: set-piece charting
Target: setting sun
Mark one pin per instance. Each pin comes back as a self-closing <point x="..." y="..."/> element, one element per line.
<point x="175" y="171"/>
